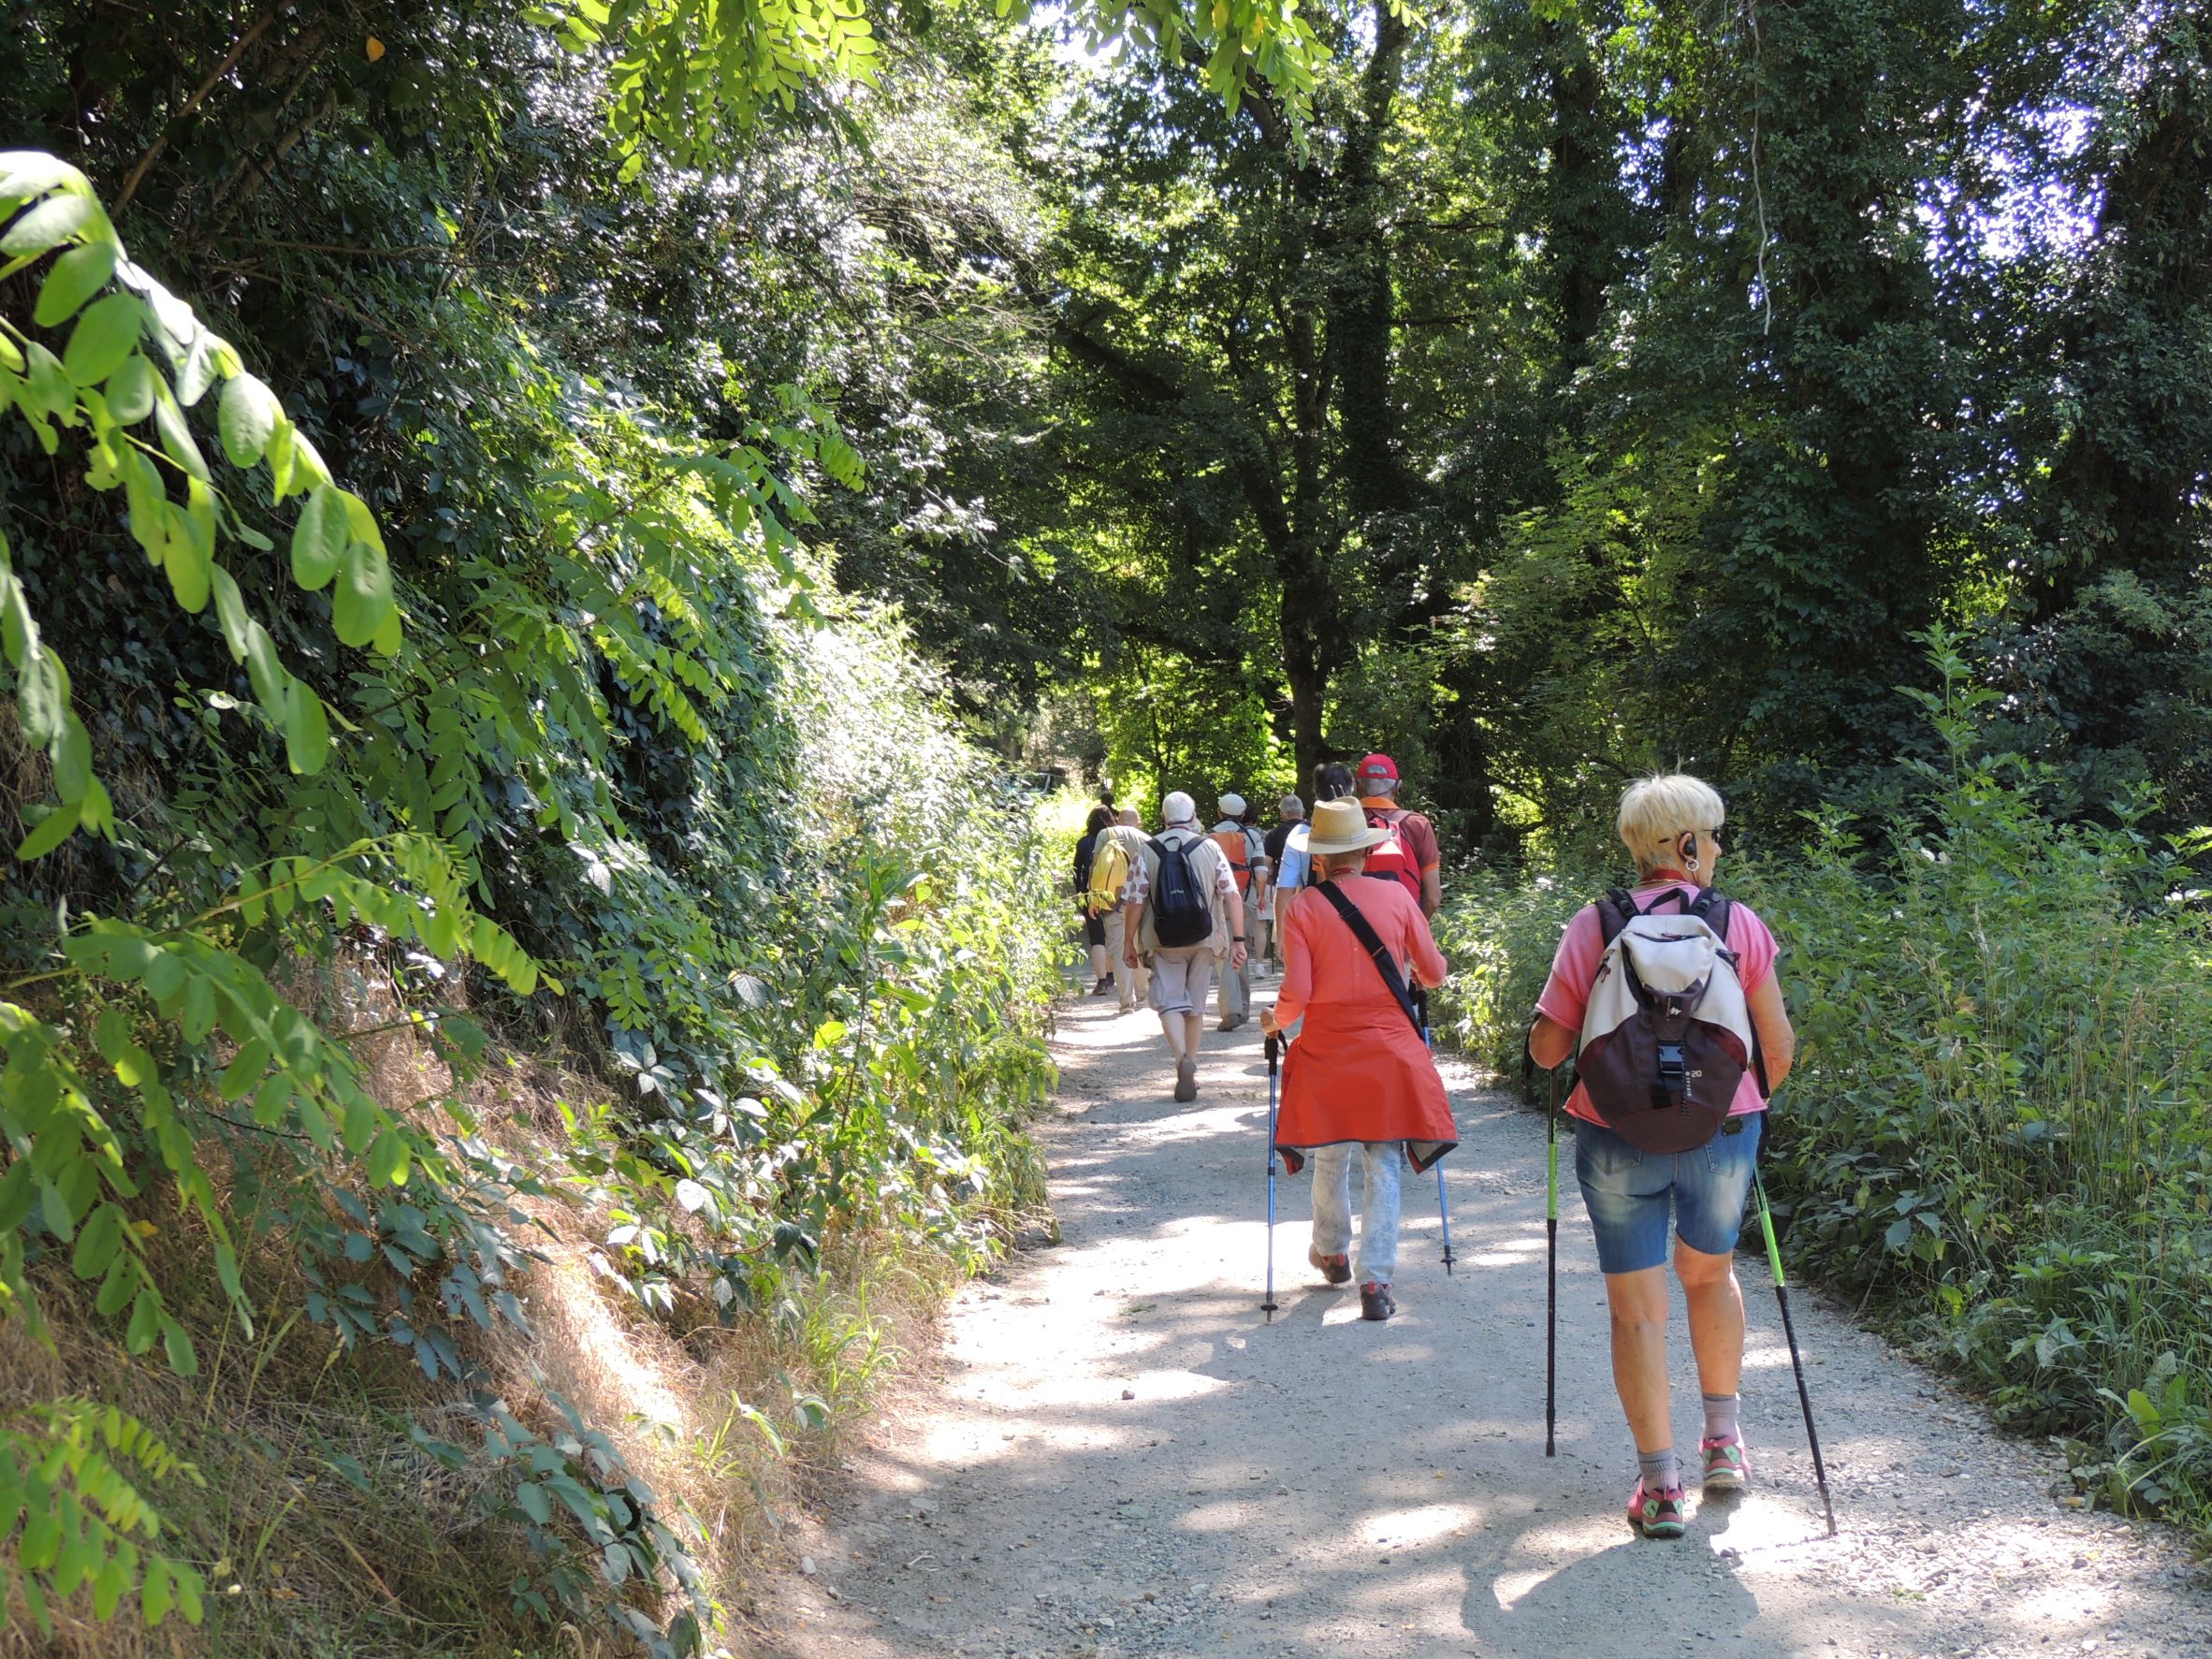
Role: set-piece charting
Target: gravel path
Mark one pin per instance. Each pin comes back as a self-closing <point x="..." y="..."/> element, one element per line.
<point x="1112" y="1454"/>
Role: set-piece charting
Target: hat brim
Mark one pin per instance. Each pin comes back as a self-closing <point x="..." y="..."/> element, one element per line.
<point x="1374" y="835"/>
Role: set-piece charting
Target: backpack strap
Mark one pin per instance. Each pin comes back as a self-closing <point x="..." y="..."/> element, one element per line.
<point x="1712" y="907"/>
<point x="1614" y="912"/>
<point x="1365" y="932"/>
<point x="1716" y="911"/>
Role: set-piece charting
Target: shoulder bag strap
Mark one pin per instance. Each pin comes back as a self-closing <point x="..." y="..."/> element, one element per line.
<point x="1365" y="932"/>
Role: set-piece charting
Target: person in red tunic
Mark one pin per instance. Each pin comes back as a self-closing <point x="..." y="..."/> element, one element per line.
<point x="1359" y="1073"/>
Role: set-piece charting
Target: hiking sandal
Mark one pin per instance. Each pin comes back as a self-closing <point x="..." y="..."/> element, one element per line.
<point x="1336" y="1268"/>
<point x="1725" y="1469"/>
<point x="1656" y="1514"/>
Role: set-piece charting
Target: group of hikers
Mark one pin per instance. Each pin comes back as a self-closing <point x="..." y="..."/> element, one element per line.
<point x="1663" y="994"/>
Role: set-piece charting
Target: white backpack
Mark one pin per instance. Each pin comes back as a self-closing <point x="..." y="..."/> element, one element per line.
<point x="1666" y="1036"/>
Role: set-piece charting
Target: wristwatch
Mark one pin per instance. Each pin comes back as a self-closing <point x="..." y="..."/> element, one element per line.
<point x="1236" y="939"/>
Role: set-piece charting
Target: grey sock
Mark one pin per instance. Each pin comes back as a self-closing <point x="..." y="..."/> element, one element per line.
<point x="1663" y="1470"/>
<point x="1720" y="1416"/>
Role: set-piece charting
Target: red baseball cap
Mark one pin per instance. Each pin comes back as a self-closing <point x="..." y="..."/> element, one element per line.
<point x="1379" y="766"/>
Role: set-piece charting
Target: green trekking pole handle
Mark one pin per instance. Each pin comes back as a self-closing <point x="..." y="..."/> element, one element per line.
<point x="1551" y="1272"/>
<point x="1782" y="1298"/>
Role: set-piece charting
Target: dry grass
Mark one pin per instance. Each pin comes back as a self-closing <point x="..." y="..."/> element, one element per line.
<point x="323" y="1530"/>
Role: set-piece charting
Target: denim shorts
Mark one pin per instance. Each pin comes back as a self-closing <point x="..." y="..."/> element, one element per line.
<point x="1629" y="1194"/>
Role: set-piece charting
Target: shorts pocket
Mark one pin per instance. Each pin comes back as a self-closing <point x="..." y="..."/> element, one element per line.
<point x="1730" y="1157"/>
<point x="1599" y="1152"/>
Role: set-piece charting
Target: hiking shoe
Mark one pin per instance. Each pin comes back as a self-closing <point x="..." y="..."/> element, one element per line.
<point x="1231" y="1023"/>
<point x="1656" y="1514"/>
<point x="1724" y="1467"/>
<point x="1336" y="1268"/>
<point x="1186" y="1077"/>
<point x="1103" y="986"/>
<point x="1375" y="1301"/>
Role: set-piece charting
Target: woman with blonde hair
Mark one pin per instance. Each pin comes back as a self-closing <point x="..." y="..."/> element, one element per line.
<point x="1359" y="1073"/>
<point x="1671" y="826"/>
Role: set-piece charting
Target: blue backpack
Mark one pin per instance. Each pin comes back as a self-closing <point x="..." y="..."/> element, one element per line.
<point x="1181" y="914"/>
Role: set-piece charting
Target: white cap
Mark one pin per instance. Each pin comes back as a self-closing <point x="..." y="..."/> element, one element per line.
<point x="1232" y="806"/>
<point x="1177" y="807"/>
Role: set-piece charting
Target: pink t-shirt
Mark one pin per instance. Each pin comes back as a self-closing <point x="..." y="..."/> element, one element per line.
<point x="1574" y="970"/>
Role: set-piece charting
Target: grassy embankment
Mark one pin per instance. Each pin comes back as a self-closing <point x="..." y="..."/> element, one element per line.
<point x="694" y="1315"/>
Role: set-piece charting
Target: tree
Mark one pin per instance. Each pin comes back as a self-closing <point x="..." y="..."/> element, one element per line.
<point x="1231" y="306"/>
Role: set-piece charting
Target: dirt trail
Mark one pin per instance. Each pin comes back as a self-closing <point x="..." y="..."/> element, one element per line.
<point x="1113" y="1455"/>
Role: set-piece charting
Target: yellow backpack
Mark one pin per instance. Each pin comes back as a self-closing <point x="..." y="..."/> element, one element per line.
<point x="1110" y="869"/>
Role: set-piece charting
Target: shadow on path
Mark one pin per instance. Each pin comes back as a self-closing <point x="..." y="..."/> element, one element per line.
<point x="1116" y="1453"/>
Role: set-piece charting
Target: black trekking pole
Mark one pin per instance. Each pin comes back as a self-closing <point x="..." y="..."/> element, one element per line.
<point x="1443" y="1203"/>
<point x="1551" y="1270"/>
<point x="1782" y="1297"/>
<point x="1274" y="1049"/>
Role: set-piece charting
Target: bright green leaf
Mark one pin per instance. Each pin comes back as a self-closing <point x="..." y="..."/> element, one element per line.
<point x="230" y="612"/>
<point x="42" y="699"/>
<point x="53" y="830"/>
<point x="362" y="600"/>
<point x="307" y="730"/>
<point x="319" y="540"/>
<point x="52" y="223"/>
<point x="130" y="390"/>
<point x="74" y="278"/>
<point x="246" y="418"/>
<point x="72" y="760"/>
<point x="103" y="336"/>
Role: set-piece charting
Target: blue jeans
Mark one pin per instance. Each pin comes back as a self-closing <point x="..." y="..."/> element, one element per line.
<point x="1629" y="1193"/>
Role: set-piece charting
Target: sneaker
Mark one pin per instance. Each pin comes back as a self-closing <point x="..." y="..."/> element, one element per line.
<point x="1656" y="1514"/>
<point x="1725" y="1469"/>
<point x="1375" y="1301"/>
<point x="1186" y="1077"/>
<point x="1336" y="1268"/>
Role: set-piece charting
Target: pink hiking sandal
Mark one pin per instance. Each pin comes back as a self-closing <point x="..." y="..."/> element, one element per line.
<point x="1726" y="1469"/>
<point x="1656" y="1514"/>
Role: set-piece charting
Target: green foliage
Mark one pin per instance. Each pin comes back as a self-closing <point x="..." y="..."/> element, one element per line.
<point x="1498" y="933"/>
<point x="685" y="78"/>
<point x="2000" y="1123"/>
<point x="588" y="1522"/>
<point x="65" y="1476"/>
<point x="626" y="714"/>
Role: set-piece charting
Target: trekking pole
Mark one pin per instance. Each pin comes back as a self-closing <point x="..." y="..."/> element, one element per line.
<point x="1551" y="1270"/>
<point x="1782" y="1297"/>
<point x="1274" y="1049"/>
<point x="1443" y="1203"/>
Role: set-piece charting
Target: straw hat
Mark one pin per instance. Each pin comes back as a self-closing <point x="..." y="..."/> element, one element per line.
<point x="1341" y="826"/>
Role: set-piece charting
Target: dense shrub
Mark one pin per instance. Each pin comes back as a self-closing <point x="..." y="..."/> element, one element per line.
<point x="2001" y="1128"/>
<point x="603" y="770"/>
